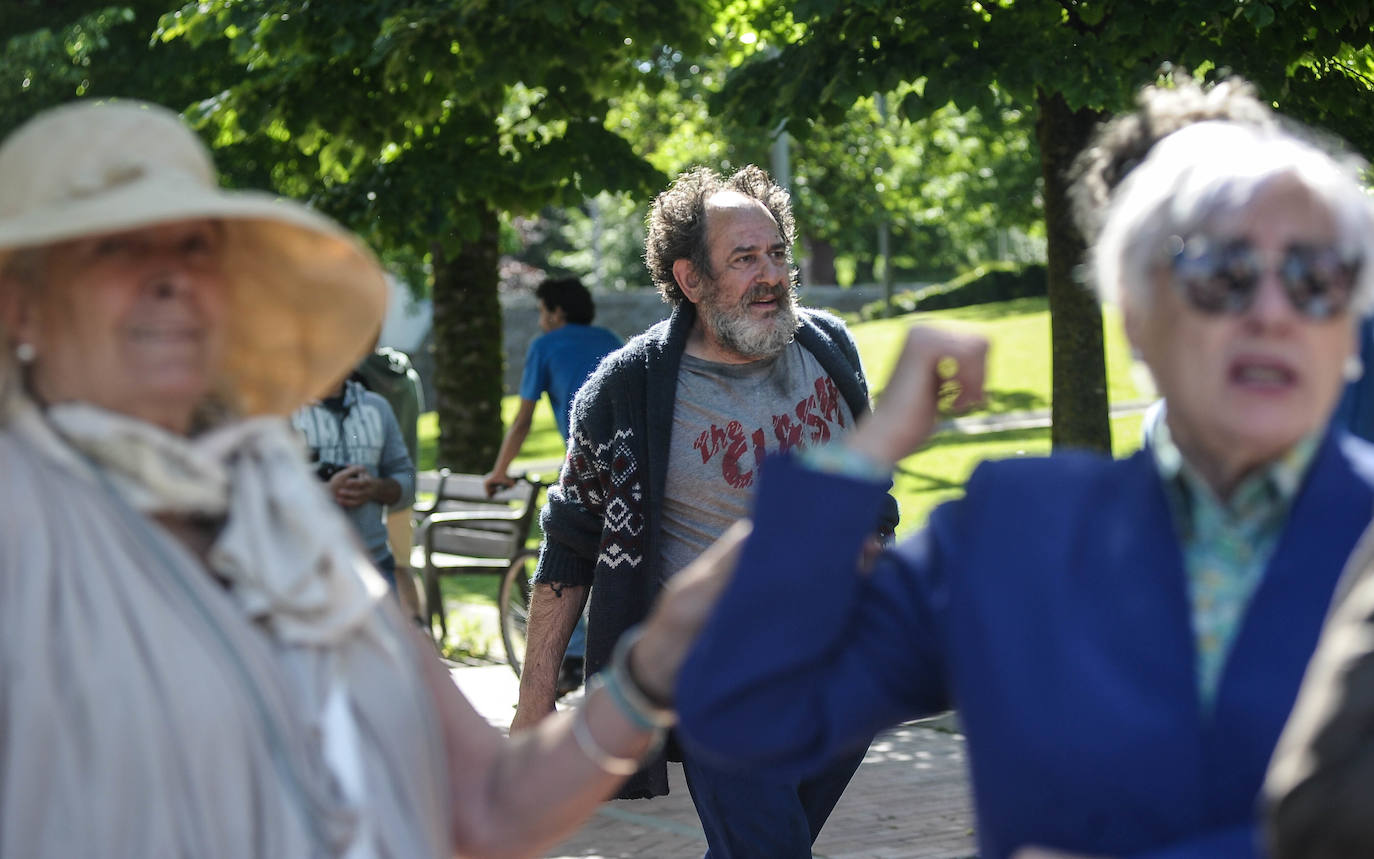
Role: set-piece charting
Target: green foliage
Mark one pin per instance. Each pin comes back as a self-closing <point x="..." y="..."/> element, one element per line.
<point x="992" y="282"/>
<point x="1069" y="61"/>
<point x="413" y="123"/>
<point x="945" y="185"/>
<point x="950" y="188"/>
<point x="1310" y="56"/>
<point x="53" y="53"/>
<point x="601" y="241"/>
<point x="372" y="107"/>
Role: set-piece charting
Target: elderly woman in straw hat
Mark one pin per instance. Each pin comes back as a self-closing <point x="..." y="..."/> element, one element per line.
<point x="1123" y="639"/>
<point x="197" y="658"/>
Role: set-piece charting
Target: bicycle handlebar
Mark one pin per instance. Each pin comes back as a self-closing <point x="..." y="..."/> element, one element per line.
<point x="535" y="478"/>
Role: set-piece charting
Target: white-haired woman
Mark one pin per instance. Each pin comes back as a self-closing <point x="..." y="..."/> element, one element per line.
<point x="196" y="658"/>
<point x="1123" y="639"/>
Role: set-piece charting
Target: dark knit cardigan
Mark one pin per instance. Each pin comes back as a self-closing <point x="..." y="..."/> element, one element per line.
<point x="602" y="519"/>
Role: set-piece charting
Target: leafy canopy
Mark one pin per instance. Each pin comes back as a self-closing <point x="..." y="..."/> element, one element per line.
<point x="404" y="118"/>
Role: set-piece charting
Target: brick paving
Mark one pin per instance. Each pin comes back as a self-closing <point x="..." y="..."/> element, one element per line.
<point x="908" y="800"/>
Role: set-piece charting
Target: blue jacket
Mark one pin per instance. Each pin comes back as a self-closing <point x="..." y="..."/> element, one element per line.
<point x="1049" y="606"/>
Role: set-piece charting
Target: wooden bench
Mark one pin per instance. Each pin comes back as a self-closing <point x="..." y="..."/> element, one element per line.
<point x="459" y="530"/>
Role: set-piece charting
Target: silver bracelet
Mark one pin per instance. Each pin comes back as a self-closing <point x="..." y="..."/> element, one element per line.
<point x="587" y="743"/>
<point x="629" y="694"/>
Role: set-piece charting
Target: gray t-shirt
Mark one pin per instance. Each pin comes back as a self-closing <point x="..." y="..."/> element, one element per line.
<point x="726" y="418"/>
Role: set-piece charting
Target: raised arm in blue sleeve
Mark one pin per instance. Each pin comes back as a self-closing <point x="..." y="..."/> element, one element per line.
<point x="804" y="657"/>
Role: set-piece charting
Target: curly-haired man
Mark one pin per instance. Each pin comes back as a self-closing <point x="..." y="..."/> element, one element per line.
<point x="665" y="442"/>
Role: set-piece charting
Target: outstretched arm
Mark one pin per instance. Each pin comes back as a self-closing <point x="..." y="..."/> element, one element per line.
<point x="521" y="795"/>
<point x="510" y="448"/>
<point x="517" y="797"/>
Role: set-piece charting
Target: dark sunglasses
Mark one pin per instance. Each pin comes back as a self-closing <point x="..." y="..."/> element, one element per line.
<point x="1224" y="277"/>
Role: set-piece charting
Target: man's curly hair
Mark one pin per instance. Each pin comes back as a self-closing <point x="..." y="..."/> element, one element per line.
<point x="677" y="221"/>
<point x="1163" y="108"/>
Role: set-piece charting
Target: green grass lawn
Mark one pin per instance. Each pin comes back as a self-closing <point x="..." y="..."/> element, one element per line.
<point x="1018" y="378"/>
<point x="1018" y="373"/>
<point x="937" y="473"/>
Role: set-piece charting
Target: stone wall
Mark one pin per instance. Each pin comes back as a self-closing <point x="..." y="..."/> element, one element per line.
<point x="625" y="313"/>
<point x="628" y="313"/>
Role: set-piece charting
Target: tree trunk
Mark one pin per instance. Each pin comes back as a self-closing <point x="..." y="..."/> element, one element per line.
<point x="467" y="350"/>
<point x="820" y="258"/>
<point x="1079" y="368"/>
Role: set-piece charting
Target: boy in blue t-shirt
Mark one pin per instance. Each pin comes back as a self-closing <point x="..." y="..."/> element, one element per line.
<point x="557" y="363"/>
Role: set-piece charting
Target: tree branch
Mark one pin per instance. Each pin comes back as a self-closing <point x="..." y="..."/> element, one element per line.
<point x="1350" y="70"/>
<point x="1078" y="24"/>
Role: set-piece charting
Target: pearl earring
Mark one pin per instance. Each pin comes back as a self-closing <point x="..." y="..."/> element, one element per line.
<point x="25" y="353"/>
<point x="1353" y="369"/>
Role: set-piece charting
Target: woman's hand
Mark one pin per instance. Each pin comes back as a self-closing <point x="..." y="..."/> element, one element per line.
<point x="937" y="370"/>
<point x="680" y="613"/>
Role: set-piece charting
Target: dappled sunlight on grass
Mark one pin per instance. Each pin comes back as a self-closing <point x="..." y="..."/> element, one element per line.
<point x="938" y="472"/>
<point x="1018" y="374"/>
<point x="1018" y="379"/>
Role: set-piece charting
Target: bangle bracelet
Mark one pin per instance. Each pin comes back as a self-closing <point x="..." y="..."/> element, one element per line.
<point x="631" y="694"/>
<point x="587" y="743"/>
<point x="609" y="680"/>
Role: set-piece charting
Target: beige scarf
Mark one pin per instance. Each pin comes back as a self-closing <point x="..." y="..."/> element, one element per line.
<point x="335" y="747"/>
<point x="290" y="559"/>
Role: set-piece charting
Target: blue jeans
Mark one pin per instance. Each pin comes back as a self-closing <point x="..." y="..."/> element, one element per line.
<point x="577" y="642"/>
<point x="746" y="817"/>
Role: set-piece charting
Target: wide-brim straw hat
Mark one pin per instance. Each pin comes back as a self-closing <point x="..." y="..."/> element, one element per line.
<point x="305" y="298"/>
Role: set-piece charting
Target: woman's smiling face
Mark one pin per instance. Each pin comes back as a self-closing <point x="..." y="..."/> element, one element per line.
<point x="131" y="321"/>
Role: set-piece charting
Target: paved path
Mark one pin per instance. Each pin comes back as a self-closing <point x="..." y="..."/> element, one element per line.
<point x="909" y="799"/>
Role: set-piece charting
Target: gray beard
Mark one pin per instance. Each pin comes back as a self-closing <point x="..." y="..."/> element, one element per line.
<point x="736" y="331"/>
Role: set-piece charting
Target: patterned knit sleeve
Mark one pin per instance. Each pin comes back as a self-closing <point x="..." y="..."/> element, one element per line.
<point x="574" y="515"/>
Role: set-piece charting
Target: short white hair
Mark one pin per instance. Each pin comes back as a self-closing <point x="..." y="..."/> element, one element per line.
<point x="1212" y="169"/>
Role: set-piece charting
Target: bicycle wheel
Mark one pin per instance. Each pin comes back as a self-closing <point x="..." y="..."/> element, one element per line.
<point x="513" y="604"/>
